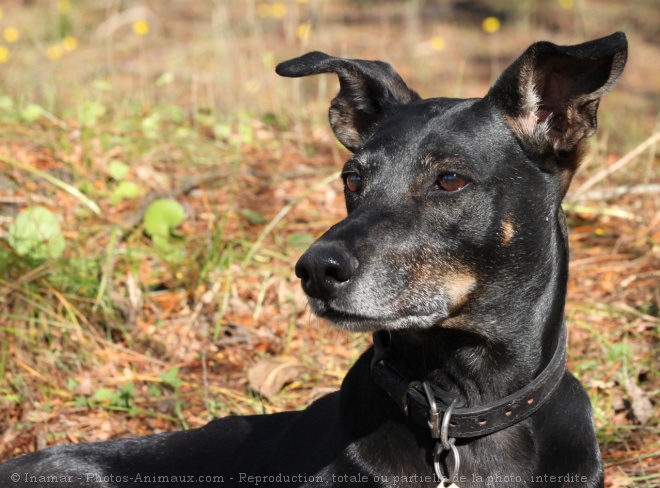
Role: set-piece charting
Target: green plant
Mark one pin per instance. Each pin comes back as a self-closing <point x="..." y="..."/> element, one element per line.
<point x="122" y="398"/>
<point x="161" y="219"/>
<point x="36" y="234"/>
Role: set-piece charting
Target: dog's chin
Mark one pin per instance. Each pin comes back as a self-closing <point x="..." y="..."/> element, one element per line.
<point x="356" y="322"/>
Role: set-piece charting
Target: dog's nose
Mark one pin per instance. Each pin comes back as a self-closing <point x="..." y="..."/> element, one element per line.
<point x="324" y="269"/>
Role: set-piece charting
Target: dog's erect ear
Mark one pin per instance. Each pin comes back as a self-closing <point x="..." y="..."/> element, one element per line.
<point x="368" y="91"/>
<point x="550" y="94"/>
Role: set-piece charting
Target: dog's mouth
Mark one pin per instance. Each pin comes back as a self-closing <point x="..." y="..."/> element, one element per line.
<point x="361" y="322"/>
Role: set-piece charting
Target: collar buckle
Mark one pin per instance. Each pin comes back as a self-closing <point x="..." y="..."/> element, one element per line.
<point x="434" y="415"/>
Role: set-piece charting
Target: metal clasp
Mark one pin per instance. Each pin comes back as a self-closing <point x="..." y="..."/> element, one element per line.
<point x="434" y="413"/>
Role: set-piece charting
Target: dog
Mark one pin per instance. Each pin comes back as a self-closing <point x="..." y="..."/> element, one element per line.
<point x="454" y="253"/>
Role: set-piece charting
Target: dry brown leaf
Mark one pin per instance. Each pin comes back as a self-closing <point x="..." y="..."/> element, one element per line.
<point x="270" y="374"/>
<point x="85" y="387"/>
<point x="642" y="407"/>
<point x="37" y="416"/>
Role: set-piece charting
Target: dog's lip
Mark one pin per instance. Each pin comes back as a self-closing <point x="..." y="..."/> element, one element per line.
<point x="358" y="321"/>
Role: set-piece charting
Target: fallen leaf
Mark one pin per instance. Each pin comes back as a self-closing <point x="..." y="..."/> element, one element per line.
<point x="37" y="416"/>
<point x="642" y="408"/>
<point x="270" y="374"/>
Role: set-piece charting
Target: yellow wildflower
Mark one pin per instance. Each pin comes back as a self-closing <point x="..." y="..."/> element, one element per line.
<point x="491" y="25"/>
<point x="70" y="43"/>
<point x="303" y="31"/>
<point x="11" y="34"/>
<point x="438" y="43"/>
<point x="64" y="6"/>
<point x="4" y="54"/>
<point x="279" y="10"/>
<point x="567" y="4"/>
<point x="141" y="27"/>
<point x="55" y="52"/>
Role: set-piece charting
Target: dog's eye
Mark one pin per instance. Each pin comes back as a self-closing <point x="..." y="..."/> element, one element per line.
<point x="353" y="182"/>
<point x="451" y="182"/>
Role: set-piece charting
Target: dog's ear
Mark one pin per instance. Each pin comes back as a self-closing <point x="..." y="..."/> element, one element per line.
<point x="550" y="94"/>
<point x="368" y="91"/>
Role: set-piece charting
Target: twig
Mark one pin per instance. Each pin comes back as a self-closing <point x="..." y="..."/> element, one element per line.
<point x="609" y="212"/>
<point x="627" y="308"/>
<point x="601" y="175"/>
<point x="54" y="181"/>
<point x="108" y="267"/>
<point x="607" y="193"/>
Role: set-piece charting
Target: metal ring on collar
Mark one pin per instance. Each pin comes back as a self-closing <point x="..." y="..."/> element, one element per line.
<point x="436" y="461"/>
<point x="444" y="429"/>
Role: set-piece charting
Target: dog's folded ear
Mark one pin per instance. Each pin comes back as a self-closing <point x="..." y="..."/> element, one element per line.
<point x="368" y="91"/>
<point x="550" y="94"/>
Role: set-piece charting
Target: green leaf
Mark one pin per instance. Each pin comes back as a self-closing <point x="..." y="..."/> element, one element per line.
<point x="36" y="234"/>
<point x="126" y="394"/>
<point x="246" y="133"/>
<point x="254" y="217"/>
<point x="273" y="120"/>
<point x="205" y="120"/>
<point x="619" y="352"/>
<point x="300" y="240"/>
<point x="182" y="133"/>
<point x="222" y="131"/>
<point x="6" y="103"/>
<point x="71" y="384"/>
<point x="118" y="170"/>
<point x="268" y="60"/>
<point x="171" y="378"/>
<point x="162" y="216"/>
<point x="151" y="126"/>
<point x="90" y="113"/>
<point x="125" y="190"/>
<point x="86" y="187"/>
<point x="172" y="113"/>
<point x="165" y="79"/>
<point x="105" y="395"/>
<point x="102" y="85"/>
<point x="31" y="113"/>
<point x="81" y="401"/>
<point x="163" y="243"/>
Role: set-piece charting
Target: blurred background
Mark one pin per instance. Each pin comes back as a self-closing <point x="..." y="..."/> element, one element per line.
<point x="219" y="56"/>
<point x="158" y="182"/>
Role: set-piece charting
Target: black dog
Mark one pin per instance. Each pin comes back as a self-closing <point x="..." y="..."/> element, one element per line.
<point x="455" y="252"/>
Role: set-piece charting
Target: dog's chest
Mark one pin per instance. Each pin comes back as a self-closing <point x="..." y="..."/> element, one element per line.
<point x="505" y="459"/>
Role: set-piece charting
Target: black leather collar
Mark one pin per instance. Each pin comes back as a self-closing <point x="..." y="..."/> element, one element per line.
<point x="465" y="422"/>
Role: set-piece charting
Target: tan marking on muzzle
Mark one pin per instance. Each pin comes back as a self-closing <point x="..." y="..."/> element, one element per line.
<point x="453" y="281"/>
<point x="454" y="285"/>
<point x="508" y="231"/>
<point x="458" y="287"/>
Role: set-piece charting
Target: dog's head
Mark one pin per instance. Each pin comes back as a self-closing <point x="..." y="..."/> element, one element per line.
<point x="451" y="199"/>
